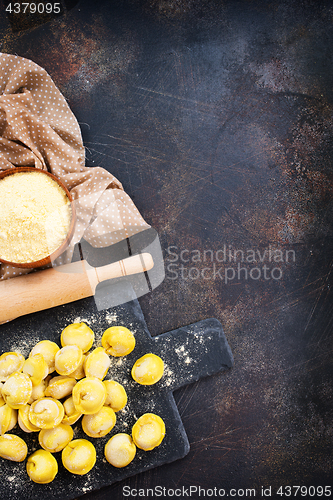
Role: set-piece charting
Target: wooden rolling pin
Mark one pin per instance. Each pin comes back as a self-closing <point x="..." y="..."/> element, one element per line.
<point x="55" y="286"/>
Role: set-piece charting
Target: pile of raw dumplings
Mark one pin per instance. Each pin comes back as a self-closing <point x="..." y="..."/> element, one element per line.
<point x="51" y="404"/>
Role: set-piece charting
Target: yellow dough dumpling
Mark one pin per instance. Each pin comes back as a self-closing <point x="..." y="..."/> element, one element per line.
<point x="46" y="413"/>
<point x="89" y="395"/>
<point x="17" y="389"/>
<point x="79" y="456"/>
<point x="79" y="372"/>
<point x="120" y="450"/>
<point x="148" y="431"/>
<point x="10" y="362"/>
<point x="99" y="424"/>
<point x="148" y="369"/>
<point x="13" y="448"/>
<point x="78" y="334"/>
<point x="8" y="418"/>
<point x="71" y="413"/>
<point x="55" y="439"/>
<point x="42" y="467"/>
<point x="36" y="368"/>
<point x="68" y="359"/>
<point x="60" y="387"/>
<point x="116" y="396"/>
<point x="2" y="401"/>
<point x="97" y="363"/>
<point x="118" y="341"/>
<point x="23" y="420"/>
<point x="48" y="350"/>
<point x="38" y="391"/>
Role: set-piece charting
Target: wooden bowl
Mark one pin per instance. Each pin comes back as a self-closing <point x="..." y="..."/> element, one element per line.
<point x="49" y="258"/>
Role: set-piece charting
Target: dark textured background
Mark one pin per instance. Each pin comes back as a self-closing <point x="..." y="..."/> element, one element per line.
<point x="217" y="118"/>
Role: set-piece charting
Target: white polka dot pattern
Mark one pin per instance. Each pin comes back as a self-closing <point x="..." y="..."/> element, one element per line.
<point x="37" y="128"/>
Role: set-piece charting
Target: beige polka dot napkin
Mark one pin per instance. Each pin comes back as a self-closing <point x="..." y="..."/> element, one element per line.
<point x="38" y="129"/>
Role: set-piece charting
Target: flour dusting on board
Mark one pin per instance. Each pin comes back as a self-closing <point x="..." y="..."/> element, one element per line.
<point x="22" y="346"/>
<point x="88" y="321"/>
<point x="111" y="317"/>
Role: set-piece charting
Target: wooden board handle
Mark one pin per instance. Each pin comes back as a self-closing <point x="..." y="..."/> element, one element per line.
<point x="56" y="286"/>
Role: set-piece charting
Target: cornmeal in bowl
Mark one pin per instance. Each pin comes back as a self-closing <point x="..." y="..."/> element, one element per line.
<point x="35" y="216"/>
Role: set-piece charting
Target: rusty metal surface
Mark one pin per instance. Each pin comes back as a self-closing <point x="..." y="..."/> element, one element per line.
<point x="217" y="118"/>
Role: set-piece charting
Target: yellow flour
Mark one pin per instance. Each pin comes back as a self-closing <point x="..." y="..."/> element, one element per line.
<point x="35" y="215"/>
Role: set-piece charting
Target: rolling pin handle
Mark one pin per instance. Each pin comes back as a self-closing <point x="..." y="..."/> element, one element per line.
<point x="132" y="265"/>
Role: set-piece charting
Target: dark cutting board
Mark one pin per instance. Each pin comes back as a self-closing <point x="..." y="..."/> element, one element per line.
<point x="189" y="353"/>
